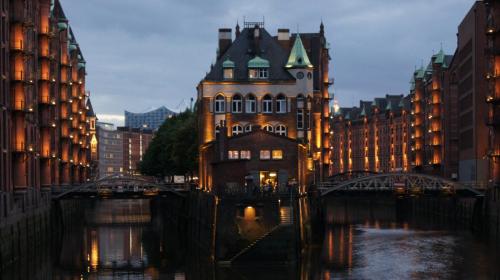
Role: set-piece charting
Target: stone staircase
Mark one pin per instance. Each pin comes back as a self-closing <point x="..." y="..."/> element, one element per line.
<point x="274" y="246"/>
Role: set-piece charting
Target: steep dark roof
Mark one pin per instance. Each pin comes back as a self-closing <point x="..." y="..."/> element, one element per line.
<point x="241" y="51"/>
<point x="90" y="111"/>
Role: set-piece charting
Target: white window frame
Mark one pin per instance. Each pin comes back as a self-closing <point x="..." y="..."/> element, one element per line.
<point x="228" y="73"/>
<point x="237" y="104"/>
<point x="237" y="129"/>
<point x="281" y="104"/>
<point x="233" y="154"/>
<point x="250" y="104"/>
<point x="245" y="154"/>
<point x="300" y="118"/>
<point x="220" y="104"/>
<point x="268" y="128"/>
<point x="265" y="154"/>
<point x="263" y="73"/>
<point x="280" y="130"/>
<point x="267" y="104"/>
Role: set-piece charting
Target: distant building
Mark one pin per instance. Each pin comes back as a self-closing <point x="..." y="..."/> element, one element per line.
<point x="110" y="149"/>
<point x="92" y="153"/>
<point x="372" y="137"/>
<point x="151" y="120"/>
<point x="135" y="144"/>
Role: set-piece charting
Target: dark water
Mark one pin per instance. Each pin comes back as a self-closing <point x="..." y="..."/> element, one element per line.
<point x="121" y="239"/>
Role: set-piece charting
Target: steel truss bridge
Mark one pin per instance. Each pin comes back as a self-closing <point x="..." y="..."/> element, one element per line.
<point x="399" y="183"/>
<point x="118" y="186"/>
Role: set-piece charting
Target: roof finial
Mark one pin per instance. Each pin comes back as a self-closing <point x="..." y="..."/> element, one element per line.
<point x="321" y="27"/>
<point x="237" y="29"/>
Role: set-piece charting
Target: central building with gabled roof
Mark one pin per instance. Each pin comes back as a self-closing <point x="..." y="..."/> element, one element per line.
<point x="263" y="109"/>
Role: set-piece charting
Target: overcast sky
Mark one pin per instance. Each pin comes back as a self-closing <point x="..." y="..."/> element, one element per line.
<point x="148" y="53"/>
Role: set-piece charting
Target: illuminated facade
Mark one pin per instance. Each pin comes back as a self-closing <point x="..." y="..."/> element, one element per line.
<point x="372" y="137"/>
<point x="493" y="97"/>
<point x="433" y="119"/>
<point x="44" y="129"/>
<point x="135" y="143"/>
<point x="274" y="83"/>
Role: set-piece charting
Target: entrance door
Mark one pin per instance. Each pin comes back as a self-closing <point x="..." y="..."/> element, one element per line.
<point x="269" y="178"/>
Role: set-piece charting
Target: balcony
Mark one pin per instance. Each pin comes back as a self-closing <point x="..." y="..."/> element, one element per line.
<point x="18" y="76"/>
<point x="17" y="45"/>
<point x="18" y="146"/>
<point x="18" y="105"/>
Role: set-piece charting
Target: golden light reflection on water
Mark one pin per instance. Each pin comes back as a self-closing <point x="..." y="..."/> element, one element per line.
<point x="94" y="250"/>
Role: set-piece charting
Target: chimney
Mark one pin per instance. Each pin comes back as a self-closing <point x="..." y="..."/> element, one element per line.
<point x="284" y="38"/>
<point x="224" y="40"/>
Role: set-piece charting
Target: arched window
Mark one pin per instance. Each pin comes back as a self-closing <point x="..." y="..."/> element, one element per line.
<point x="250" y="104"/>
<point x="237" y="129"/>
<point x="280" y="130"/>
<point x="281" y="104"/>
<point x="220" y="104"/>
<point x="267" y="104"/>
<point x="237" y="104"/>
<point x="268" y="128"/>
<point x="248" y="128"/>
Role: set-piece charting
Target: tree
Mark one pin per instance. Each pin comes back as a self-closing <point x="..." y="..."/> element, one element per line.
<point x="174" y="149"/>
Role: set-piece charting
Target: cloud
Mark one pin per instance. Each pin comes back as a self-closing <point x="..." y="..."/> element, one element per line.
<point x="148" y="53"/>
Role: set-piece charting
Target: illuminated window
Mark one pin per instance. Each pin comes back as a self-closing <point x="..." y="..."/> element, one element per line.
<point x="267" y="104"/>
<point x="250" y="104"/>
<point x="237" y="104"/>
<point x="265" y="154"/>
<point x="268" y="128"/>
<point x="258" y="73"/>
<point x="277" y="154"/>
<point x="280" y="130"/>
<point x="245" y="154"/>
<point x="228" y="73"/>
<point x="248" y="128"/>
<point x="237" y="129"/>
<point x="233" y="154"/>
<point x="109" y="169"/>
<point x="281" y="104"/>
<point x="220" y="104"/>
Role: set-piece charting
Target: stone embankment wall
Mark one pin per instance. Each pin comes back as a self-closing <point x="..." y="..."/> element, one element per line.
<point x="492" y="214"/>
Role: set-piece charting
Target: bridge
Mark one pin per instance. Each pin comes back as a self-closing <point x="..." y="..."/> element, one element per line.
<point x="399" y="183"/>
<point x="118" y="186"/>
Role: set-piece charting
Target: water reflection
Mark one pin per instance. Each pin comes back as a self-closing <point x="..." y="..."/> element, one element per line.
<point x="125" y="239"/>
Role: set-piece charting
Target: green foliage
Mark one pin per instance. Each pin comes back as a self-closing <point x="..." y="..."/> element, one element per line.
<point x="174" y="149"/>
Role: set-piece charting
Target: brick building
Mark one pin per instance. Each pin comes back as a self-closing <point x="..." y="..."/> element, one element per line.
<point x="110" y="150"/>
<point x="433" y="119"/>
<point x="372" y="137"/>
<point x="135" y="143"/>
<point x="261" y="82"/>
<point x="43" y="128"/>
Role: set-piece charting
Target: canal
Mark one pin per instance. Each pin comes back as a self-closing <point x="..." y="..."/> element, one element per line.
<point x="125" y="239"/>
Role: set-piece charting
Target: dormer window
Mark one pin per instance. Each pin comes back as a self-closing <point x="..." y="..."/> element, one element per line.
<point x="228" y="69"/>
<point x="258" y="68"/>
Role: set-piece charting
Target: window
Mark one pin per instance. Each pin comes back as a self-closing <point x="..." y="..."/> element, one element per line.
<point x="245" y="154"/>
<point x="250" y="104"/>
<point x="267" y="104"/>
<point x="248" y="128"/>
<point x="258" y="73"/>
<point x="300" y="101"/>
<point x="237" y="104"/>
<point x="109" y="169"/>
<point x="268" y="128"/>
<point x="281" y="104"/>
<point x="300" y="118"/>
<point x="280" y="130"/>
<point x="237" y="129"/>
<point x="220" y="104"/>
<point x="277" y="154"/>
<point x="228" y="73"/>
<point x="233" y="154"/>
<point x="265" y="154"/>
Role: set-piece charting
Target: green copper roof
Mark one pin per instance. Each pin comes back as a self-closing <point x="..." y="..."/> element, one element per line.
<point x="363" y="112"/>
<point x="419" y="74"/>
<point x="81" y="65"/>
<point x="348" y="116"/>
<point x="439" y="57"/>
<point x="62" y="25"/>
<point x="228" y="63"/>
<point x="258" y="62"/>
<point x="73" y="47"/>
<point x="298" y="56"/>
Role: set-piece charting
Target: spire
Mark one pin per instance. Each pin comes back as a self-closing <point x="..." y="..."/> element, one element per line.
<point x="237" y="33"/>
<point x="321" y="28"/>
<point x="298" y="56"/>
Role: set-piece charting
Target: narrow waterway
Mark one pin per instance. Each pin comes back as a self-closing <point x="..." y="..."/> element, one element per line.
<point x="123" y="239"/>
